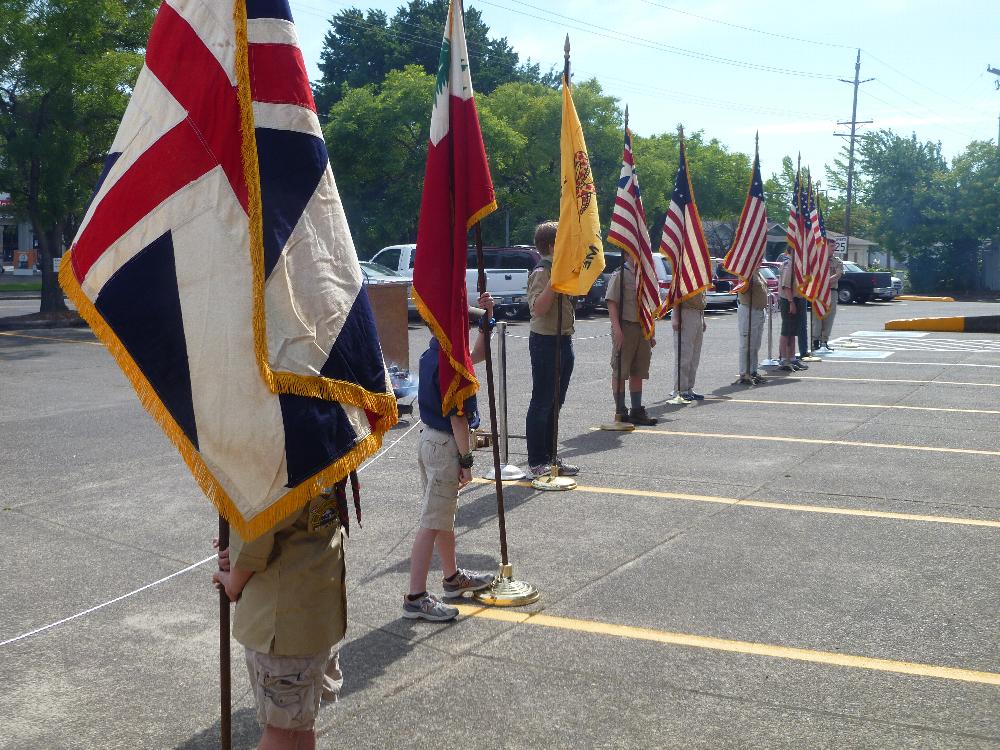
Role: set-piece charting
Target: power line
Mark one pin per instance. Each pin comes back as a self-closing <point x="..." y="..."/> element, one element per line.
<point x="748" y="28"/>
<point x="604" y="32"/>
<point x="651" y="92"/>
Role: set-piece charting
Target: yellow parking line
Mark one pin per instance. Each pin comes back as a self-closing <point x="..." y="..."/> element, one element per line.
<point x="800" y="507"/>
<point x="816" y="441"/>
<point x="738" y="647"/>
<point x="862" y="406"/>
<point x="49" y="338"/>
<point x="896" y="380"/>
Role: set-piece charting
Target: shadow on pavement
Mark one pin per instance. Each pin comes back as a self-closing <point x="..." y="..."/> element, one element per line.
<point x="246" y="733"/>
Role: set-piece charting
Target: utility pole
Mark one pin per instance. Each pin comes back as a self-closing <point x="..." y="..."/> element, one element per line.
<point x="850" y="158"/>
<point x="994" y="71"/>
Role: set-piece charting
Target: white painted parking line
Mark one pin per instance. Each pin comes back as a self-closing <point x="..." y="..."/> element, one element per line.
<point x="853" y="354"/>
<point x="907" y="363"/>
<point x="907" y="344"/>
<point x="893" y="334"/>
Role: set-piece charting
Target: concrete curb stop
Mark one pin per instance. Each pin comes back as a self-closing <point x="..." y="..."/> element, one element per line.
<point x="13" y="324"/>
<point x="959" y="324"/>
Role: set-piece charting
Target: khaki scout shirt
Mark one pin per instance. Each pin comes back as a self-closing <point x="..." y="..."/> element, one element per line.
<point x="538" y="282"/>
<point x="697" y="302"/>
<point x="759" y="293"/>
<point x="787" y="282"/>
<point x="295" y="604"/>
<point x="836" y="269"/>
<point x="629" y="303"/>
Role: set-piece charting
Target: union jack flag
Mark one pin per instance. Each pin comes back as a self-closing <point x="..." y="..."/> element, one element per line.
<point x="683" y="241"/>
<point x="216" y="264"/>
<point x="628" y="231"/>
<point x="750" y="239"/>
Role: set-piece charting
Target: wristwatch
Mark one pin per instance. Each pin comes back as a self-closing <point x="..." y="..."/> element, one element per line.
<point x="487" y="324"/>
<point x="465" y="461"/>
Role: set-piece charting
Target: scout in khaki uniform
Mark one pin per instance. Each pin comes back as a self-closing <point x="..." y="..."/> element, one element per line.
<point x="291" y="612"/>
<point x="542" y="342"/>
<point x="689" y="330"/>
<point x="792" y="306"/>
<point x="750" y="324"/>
<point x="630" y="349"/>
<point x="823" y="326"/>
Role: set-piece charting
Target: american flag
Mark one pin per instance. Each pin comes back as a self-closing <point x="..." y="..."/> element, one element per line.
<point x="819" y="290"/>
<point x="750" y="239"/>
<point x="628" y="231"/>
<point x="683" y="241"/>
<point x="814" y="240"/>
<point x="797" y="236"/>
<point x="216" y="264"/>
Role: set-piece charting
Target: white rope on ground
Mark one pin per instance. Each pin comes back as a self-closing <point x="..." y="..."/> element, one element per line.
<point x="188" y="569"/>
<point x="108" y="603"/>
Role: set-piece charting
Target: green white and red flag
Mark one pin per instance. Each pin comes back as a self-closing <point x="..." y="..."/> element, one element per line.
<point x="458" y="192"/>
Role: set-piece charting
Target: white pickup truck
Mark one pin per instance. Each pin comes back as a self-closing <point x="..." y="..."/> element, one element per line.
<point x="507" y="286"/>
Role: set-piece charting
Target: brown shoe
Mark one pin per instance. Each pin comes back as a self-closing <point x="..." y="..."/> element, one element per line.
<point x="641" y="418"/>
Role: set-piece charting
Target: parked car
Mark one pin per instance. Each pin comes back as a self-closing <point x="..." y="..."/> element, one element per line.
<point x="720" y="294"/>
<point x="378" y="274"/>
<point x="508" y="285"/>
<point x="612" y="262"/>
<point x="859" y="285"/>
<point x="888" y="295"/>
<point x="770" y="277"/>
<point x="594" y="299"/>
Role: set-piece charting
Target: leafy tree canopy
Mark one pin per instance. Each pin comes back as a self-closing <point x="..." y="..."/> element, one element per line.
<point x="66" y="67"/>
<point x="361" y="48"/>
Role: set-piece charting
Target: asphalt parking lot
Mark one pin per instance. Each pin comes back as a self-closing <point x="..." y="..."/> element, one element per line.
<point x="811" y="563"/>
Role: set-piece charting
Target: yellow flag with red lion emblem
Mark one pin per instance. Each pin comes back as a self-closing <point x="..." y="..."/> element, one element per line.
<point x="578" y="257"/>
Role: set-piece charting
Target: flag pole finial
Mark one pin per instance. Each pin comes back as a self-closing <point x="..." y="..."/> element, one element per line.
<point x="566" y="60"/>
<point x="626" y="116"/>
<point x="756" y="142"/>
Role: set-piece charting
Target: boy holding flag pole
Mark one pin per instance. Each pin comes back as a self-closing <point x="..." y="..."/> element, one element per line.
<point x="577" y="260"/>
<point x="458" y="192"/>
<point x="743" y="258"/>
<point x="632" y="317"/>
<point x="683" y="243"/>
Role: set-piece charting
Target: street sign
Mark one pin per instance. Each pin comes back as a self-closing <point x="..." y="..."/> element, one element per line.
<point x="841" y="245"/>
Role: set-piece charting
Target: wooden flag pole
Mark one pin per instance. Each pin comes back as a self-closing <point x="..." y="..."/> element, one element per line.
<point x="753" y="277"/>
<point x="553" y="481"/>
<point x="225" y="669"/>
<point x="620" y="424"/>
<point x="505" y="591"/>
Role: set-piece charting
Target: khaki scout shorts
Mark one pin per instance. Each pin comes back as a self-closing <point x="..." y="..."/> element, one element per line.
<point x="437" y="458"/>
<point x="636" y="353"/>
<point x="288" y="689"/>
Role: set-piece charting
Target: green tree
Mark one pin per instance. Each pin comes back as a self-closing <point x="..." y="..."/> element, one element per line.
<point x="910" y="191"/>
<point x="377" y="141"/>
<point x="361" y="48"/>
<point x="66" y="67"/>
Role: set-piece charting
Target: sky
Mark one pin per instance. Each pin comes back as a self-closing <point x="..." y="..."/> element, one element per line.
<point x="732" y="68"/>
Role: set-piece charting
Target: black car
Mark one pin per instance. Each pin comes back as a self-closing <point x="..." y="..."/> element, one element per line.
<point x="594" y="299"/>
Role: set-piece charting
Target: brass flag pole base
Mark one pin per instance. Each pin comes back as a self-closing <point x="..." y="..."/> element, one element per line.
<point x="678" y="400"/>
<point x="848" y="344"/>
<point x="505" y="591"/>
<point x="508" y="473"/>
<point x="619" y="425"/>
<point x="553" y="482"/>
<point x="810" y="357"/>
